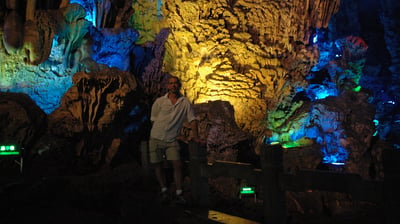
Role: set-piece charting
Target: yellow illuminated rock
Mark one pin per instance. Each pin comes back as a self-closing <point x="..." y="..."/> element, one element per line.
<point x="242" y="51"/>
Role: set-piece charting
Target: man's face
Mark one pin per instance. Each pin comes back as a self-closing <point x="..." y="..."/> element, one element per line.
<point x="173" y="85"/>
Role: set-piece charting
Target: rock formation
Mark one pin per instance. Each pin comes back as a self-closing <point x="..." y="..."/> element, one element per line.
<point x="321" y="77"/>
<point x="243" y="51"/>
<point x="91" y="113"/>
<point x="269" y="60"/>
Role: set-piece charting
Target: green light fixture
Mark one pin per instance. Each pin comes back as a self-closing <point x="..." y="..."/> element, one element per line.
<point x="357" y="89"/>
<point x="247" y="190"/>
<point x="6" y="150"/>
<point x="13" y="151"/>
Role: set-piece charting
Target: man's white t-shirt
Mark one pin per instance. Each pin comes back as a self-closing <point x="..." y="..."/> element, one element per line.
<point x="168" y="118"/>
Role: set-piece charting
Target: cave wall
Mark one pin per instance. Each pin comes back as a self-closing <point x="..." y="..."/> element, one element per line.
<point x="243" y="51"/>
<point x="237" y="51"/>
<point x="255" y="55"/>
<point x="377" y="23"/>
<point x="253" y="69"/>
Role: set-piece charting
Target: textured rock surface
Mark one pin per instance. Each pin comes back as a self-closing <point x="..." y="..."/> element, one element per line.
<point x="243" y="51"/>
<point x="252" y="54"/>
<point x="90" y="112"/>
<point x="22" y="122"/>
<point x="240" y="61"/>
<point x="218" y="128"/>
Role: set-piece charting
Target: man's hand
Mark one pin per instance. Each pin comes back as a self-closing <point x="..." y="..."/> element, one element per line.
<point x="199" y="140"/>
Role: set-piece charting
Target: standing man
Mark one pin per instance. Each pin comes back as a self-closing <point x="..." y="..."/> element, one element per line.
<point x="167" y="116"/>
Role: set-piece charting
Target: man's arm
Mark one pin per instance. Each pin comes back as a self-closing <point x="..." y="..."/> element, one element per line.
<point x="155" y="109"/>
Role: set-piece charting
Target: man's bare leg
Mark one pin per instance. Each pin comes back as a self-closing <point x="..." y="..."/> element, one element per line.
<point x="160" y="175"/>
<point x="177" y="165"/>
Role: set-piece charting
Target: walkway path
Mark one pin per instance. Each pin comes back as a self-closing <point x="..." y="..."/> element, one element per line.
<point x="113" y="196"/>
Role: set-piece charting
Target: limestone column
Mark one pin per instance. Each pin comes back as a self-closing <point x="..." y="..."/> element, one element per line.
<point x="30" y="10"/>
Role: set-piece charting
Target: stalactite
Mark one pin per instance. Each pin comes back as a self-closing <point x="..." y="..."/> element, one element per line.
<point x="30" y="10"/>
<point x="102" y="11"/>
<point x="13" y="32"/>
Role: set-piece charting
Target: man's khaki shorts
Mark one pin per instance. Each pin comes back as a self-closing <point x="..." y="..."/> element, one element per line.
<point x="158" y="149"/>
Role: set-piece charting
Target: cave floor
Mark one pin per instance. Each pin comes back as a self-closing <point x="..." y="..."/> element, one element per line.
<point x="124" y="194"/>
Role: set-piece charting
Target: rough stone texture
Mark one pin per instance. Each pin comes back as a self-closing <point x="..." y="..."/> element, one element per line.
<point x="154" y="79"/>
<point x="239" y="60"/>
<point x="243" y="51"/>
<point x="21" y="120"/>
<point x="90" y="112"/>
<point x="38" y="35"/>
<point x="218" y="129"/>
<point x="13" y="34"/>
<point x="375" y="23"/>
<point x="251" y="54"/>
<point x="22" y="123"/>
<point x="236" y="51"/>
<point x="336" y="115"/>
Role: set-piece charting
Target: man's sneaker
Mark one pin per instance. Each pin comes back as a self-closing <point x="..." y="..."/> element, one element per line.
<point x="180" y="199"/>
<point x="165" y="197"/>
